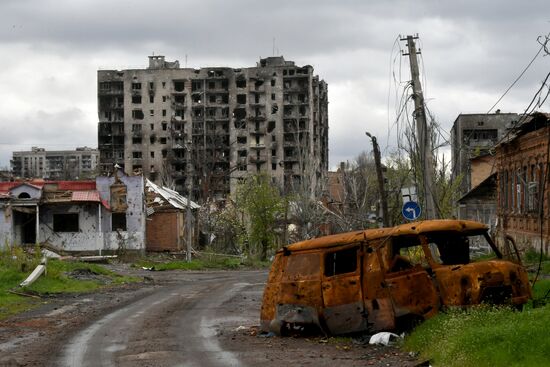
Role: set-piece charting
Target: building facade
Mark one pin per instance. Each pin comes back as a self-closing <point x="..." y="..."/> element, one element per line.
<point x="523" y="205"/>
<point x="200" y="131"/>
<point x="102" y="216"/>
<point x="55" y="165"/>
<point x="472" y="136"/>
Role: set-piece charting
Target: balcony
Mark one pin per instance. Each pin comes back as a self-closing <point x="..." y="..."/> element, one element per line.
<point x="257" y="146"/>
<point x="254" y="159"/>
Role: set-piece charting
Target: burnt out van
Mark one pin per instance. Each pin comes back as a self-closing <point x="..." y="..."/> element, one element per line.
<point x="383" y="279"/>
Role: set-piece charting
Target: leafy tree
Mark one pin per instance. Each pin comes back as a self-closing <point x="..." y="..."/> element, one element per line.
<point x="263" y="206"/>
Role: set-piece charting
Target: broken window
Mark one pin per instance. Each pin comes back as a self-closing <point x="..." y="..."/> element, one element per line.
<point x="225" y="98"/>
<point x="239" y="113"/>
<point x="241" y="98"/>
<point x="164" y="126"/>
<point x="163" y="140"/>
<point x="164" y="113"/>
<point x="65" y="222"/>
<point x="136" y="99"/>
<point x="273" y="166"/>
<point x="151" y="85"/>
<point x="240" y="82"/>
<point x="211" y="85"/>
<point x="164" y="153"/>
<point x="136" y="128"/>
<point x="196" y="85"/>
<point x="138" y="114"/>
<point x="151" y="99"/>
<point x="241" y="140"/>
<point x="151" y="112"/>
<point x="242" y="153"/>
<point x="136" y="140"/>
<point x="225" y="84"/>
<point x="136" y="155"/>
<point x="270" y="126"/>
<point x="272" y="82"/>
<point x="197" y="98"/>
<point x="303" y="110"/>
<point x="212" y="98"/>
<point x="197" y="112"/>
<point x="118" y="221"/>
<point x="179" y="85"/>
<point x="118" y="197"/>
<point x="152" y="154"/>
<point x="341" y="262"/>
<point x="164" y="84"/>
<point x="274" y="109"/>
<point x="258" y="84"/>
<point x="272" y="96"/>
<point x="136" y="86"/>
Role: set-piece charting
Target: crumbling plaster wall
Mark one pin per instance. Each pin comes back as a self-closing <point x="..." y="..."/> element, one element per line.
<point x="88" y="238"/>
<point x="6" y="230"/>
<point x="134" y="237"/>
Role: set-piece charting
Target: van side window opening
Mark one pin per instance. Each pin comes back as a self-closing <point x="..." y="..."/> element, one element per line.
<point x="407" y="253"/>
<point x="341" y="262"/>
<point x="450" y="249"/>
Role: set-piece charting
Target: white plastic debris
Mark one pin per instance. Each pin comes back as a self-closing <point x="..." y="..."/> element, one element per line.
<point x="241" y="328"/>
<point x="384" y="338"/>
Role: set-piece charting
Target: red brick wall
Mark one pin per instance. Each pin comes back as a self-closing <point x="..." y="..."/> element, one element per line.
<point x="164" y="231"/>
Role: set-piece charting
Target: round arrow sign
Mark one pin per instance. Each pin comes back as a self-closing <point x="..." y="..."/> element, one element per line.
<point x="411" y="210"/>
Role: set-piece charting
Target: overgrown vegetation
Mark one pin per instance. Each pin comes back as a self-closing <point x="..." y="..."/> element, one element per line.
<point x="484" y="336"/>
<point x="60" y="277"/>
<point x="204" y="262"/>
<point x="489" y="336"/>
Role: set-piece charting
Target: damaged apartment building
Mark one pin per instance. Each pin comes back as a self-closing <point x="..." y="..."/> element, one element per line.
<point x="75" y="164"/>
<point x="201" y="131"/>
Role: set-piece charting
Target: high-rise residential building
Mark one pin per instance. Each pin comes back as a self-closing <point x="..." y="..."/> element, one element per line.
<point x="80" y="163"/>
<point x="203" y="130"/>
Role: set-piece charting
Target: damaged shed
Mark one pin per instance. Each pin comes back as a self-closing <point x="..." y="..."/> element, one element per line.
<point x="167" y="214"/>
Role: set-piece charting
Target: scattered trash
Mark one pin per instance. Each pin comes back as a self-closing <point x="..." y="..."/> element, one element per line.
<point x="384" y="338"/>
<point x="152" y="268"/>
<point x="239" y="328"/>
<point x="264" y="334"/>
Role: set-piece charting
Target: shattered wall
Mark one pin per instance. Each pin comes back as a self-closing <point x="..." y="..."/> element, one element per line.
<point x="87" y="238"/>
<point x="134" y="236"/>
<point x="6" y="233"/>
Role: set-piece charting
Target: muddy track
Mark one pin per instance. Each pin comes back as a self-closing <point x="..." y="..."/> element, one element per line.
<point x="175" y="319"/>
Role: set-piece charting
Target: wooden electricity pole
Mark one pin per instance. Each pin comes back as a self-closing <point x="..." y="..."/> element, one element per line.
<point x="423" y="138"/>
<point x="380" y="176"/>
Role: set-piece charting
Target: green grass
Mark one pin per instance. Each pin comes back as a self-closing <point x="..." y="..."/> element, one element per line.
<point x="205" y="262"/>
<point x="196" y="264"/>
<point x="486" y="336"/>
<point x="16" y="265"/>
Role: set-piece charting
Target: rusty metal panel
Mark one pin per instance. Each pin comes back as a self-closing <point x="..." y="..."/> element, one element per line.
<point x="368" y="280"/>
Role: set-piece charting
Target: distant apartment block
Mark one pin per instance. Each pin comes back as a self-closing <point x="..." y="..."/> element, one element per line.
<point x="55" y="164"/>
<point x="203" y="130"/>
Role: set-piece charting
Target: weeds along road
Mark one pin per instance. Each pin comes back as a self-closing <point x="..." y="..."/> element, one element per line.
<point x="177" y="325"/>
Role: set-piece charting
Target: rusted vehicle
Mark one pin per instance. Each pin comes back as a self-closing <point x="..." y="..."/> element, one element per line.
<point x="388" y="278"/>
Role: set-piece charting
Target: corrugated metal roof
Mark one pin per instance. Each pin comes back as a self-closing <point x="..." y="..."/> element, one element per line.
<point x="172" y="197"/>
<point x="90" y="195"/>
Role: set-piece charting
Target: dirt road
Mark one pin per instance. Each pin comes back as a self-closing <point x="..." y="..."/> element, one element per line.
<point x="176" y="319"/>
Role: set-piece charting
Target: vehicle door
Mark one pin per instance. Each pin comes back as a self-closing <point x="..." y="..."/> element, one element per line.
<point x="341" y="288"/>
<point x="411" y="287"/>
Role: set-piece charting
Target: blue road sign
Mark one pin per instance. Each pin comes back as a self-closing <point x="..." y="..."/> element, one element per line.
<point x="411" y="210"/>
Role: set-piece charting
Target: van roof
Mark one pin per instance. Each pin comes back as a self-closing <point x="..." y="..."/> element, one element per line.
<point x="413" y="228"/>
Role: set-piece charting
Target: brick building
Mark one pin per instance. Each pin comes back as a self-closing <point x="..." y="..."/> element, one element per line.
<point x="523" y="183"/>
<point x="202" y="130"/>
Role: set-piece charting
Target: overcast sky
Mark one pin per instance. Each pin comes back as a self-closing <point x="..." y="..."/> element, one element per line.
<point x="471" y="52"/>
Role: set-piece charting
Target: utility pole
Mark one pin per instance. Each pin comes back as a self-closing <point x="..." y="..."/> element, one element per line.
<point x="380" y="176"/>
<point x="188" y="220"/>
<point x="423" y="134"/>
